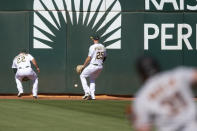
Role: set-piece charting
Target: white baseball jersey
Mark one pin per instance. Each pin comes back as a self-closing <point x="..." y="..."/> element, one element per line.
<point x="167" y="101"/>
<point x="22" y="61"/>
<point x="23" y="64"/>
<point x="97" y="52"/>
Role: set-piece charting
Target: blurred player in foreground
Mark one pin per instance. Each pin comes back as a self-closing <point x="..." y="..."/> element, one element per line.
<point x="93" y="65"/>
<point x="23" y="72"/>
<point x="165" y="101"/>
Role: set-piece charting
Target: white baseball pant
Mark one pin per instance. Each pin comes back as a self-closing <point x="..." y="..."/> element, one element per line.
<point x="91" y="71"/>
<point x="26" y="72"/>
<point x="185" y="126"/>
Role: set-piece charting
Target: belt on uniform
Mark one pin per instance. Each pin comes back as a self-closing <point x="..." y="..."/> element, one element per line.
<point x="96" y="64"/>
<point x="22" y="68"/>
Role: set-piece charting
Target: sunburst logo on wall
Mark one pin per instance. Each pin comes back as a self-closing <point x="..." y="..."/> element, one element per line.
<point x="53" y="19"/>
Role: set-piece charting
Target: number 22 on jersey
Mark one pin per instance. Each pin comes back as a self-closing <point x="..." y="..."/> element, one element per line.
<point x="21" y="59"/>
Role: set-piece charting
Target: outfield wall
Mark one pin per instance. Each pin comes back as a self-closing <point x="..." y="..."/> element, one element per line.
<point x="56" y="32"/>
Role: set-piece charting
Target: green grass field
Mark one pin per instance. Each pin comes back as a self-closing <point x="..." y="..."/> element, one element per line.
<point x="63" y="115"/>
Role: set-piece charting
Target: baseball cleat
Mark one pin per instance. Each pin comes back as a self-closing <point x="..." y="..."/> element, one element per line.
<point x="90" y="98"/>
<point x="86" y="96"/>
<point x="20" y="94"/>
<point x="35" y="97"/>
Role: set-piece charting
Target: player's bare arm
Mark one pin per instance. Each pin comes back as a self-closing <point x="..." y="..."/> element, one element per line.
<point x="195" y="77"/>
<point x="144" y="128"/>
<point x="87" y="61"/>
<point x="36" y="65"/>
<point x="132" y="117"/>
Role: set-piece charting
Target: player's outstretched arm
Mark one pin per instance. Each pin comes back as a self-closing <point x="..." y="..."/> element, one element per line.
<point x="36" y="65"/>
<point x="87" y="61"/>
<point x="194" y="77"/>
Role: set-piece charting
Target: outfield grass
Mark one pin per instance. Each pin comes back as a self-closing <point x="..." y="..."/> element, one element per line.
<point x="63" y="115"/>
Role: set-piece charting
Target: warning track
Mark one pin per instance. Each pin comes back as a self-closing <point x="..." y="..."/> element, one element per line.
<point x="65" y="97"/>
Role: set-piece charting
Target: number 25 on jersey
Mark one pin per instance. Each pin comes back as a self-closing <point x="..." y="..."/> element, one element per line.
<point x="99" y="55"/>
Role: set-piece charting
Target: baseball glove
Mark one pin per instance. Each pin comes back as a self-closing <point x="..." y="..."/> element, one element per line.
<point x="79" y="69"/>
<point x="25" y="79"/>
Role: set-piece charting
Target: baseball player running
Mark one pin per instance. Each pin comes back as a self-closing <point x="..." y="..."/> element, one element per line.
<point x="23" y="71"/>
<point x="95" y="59"/>
<point x="165" y="100"/>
